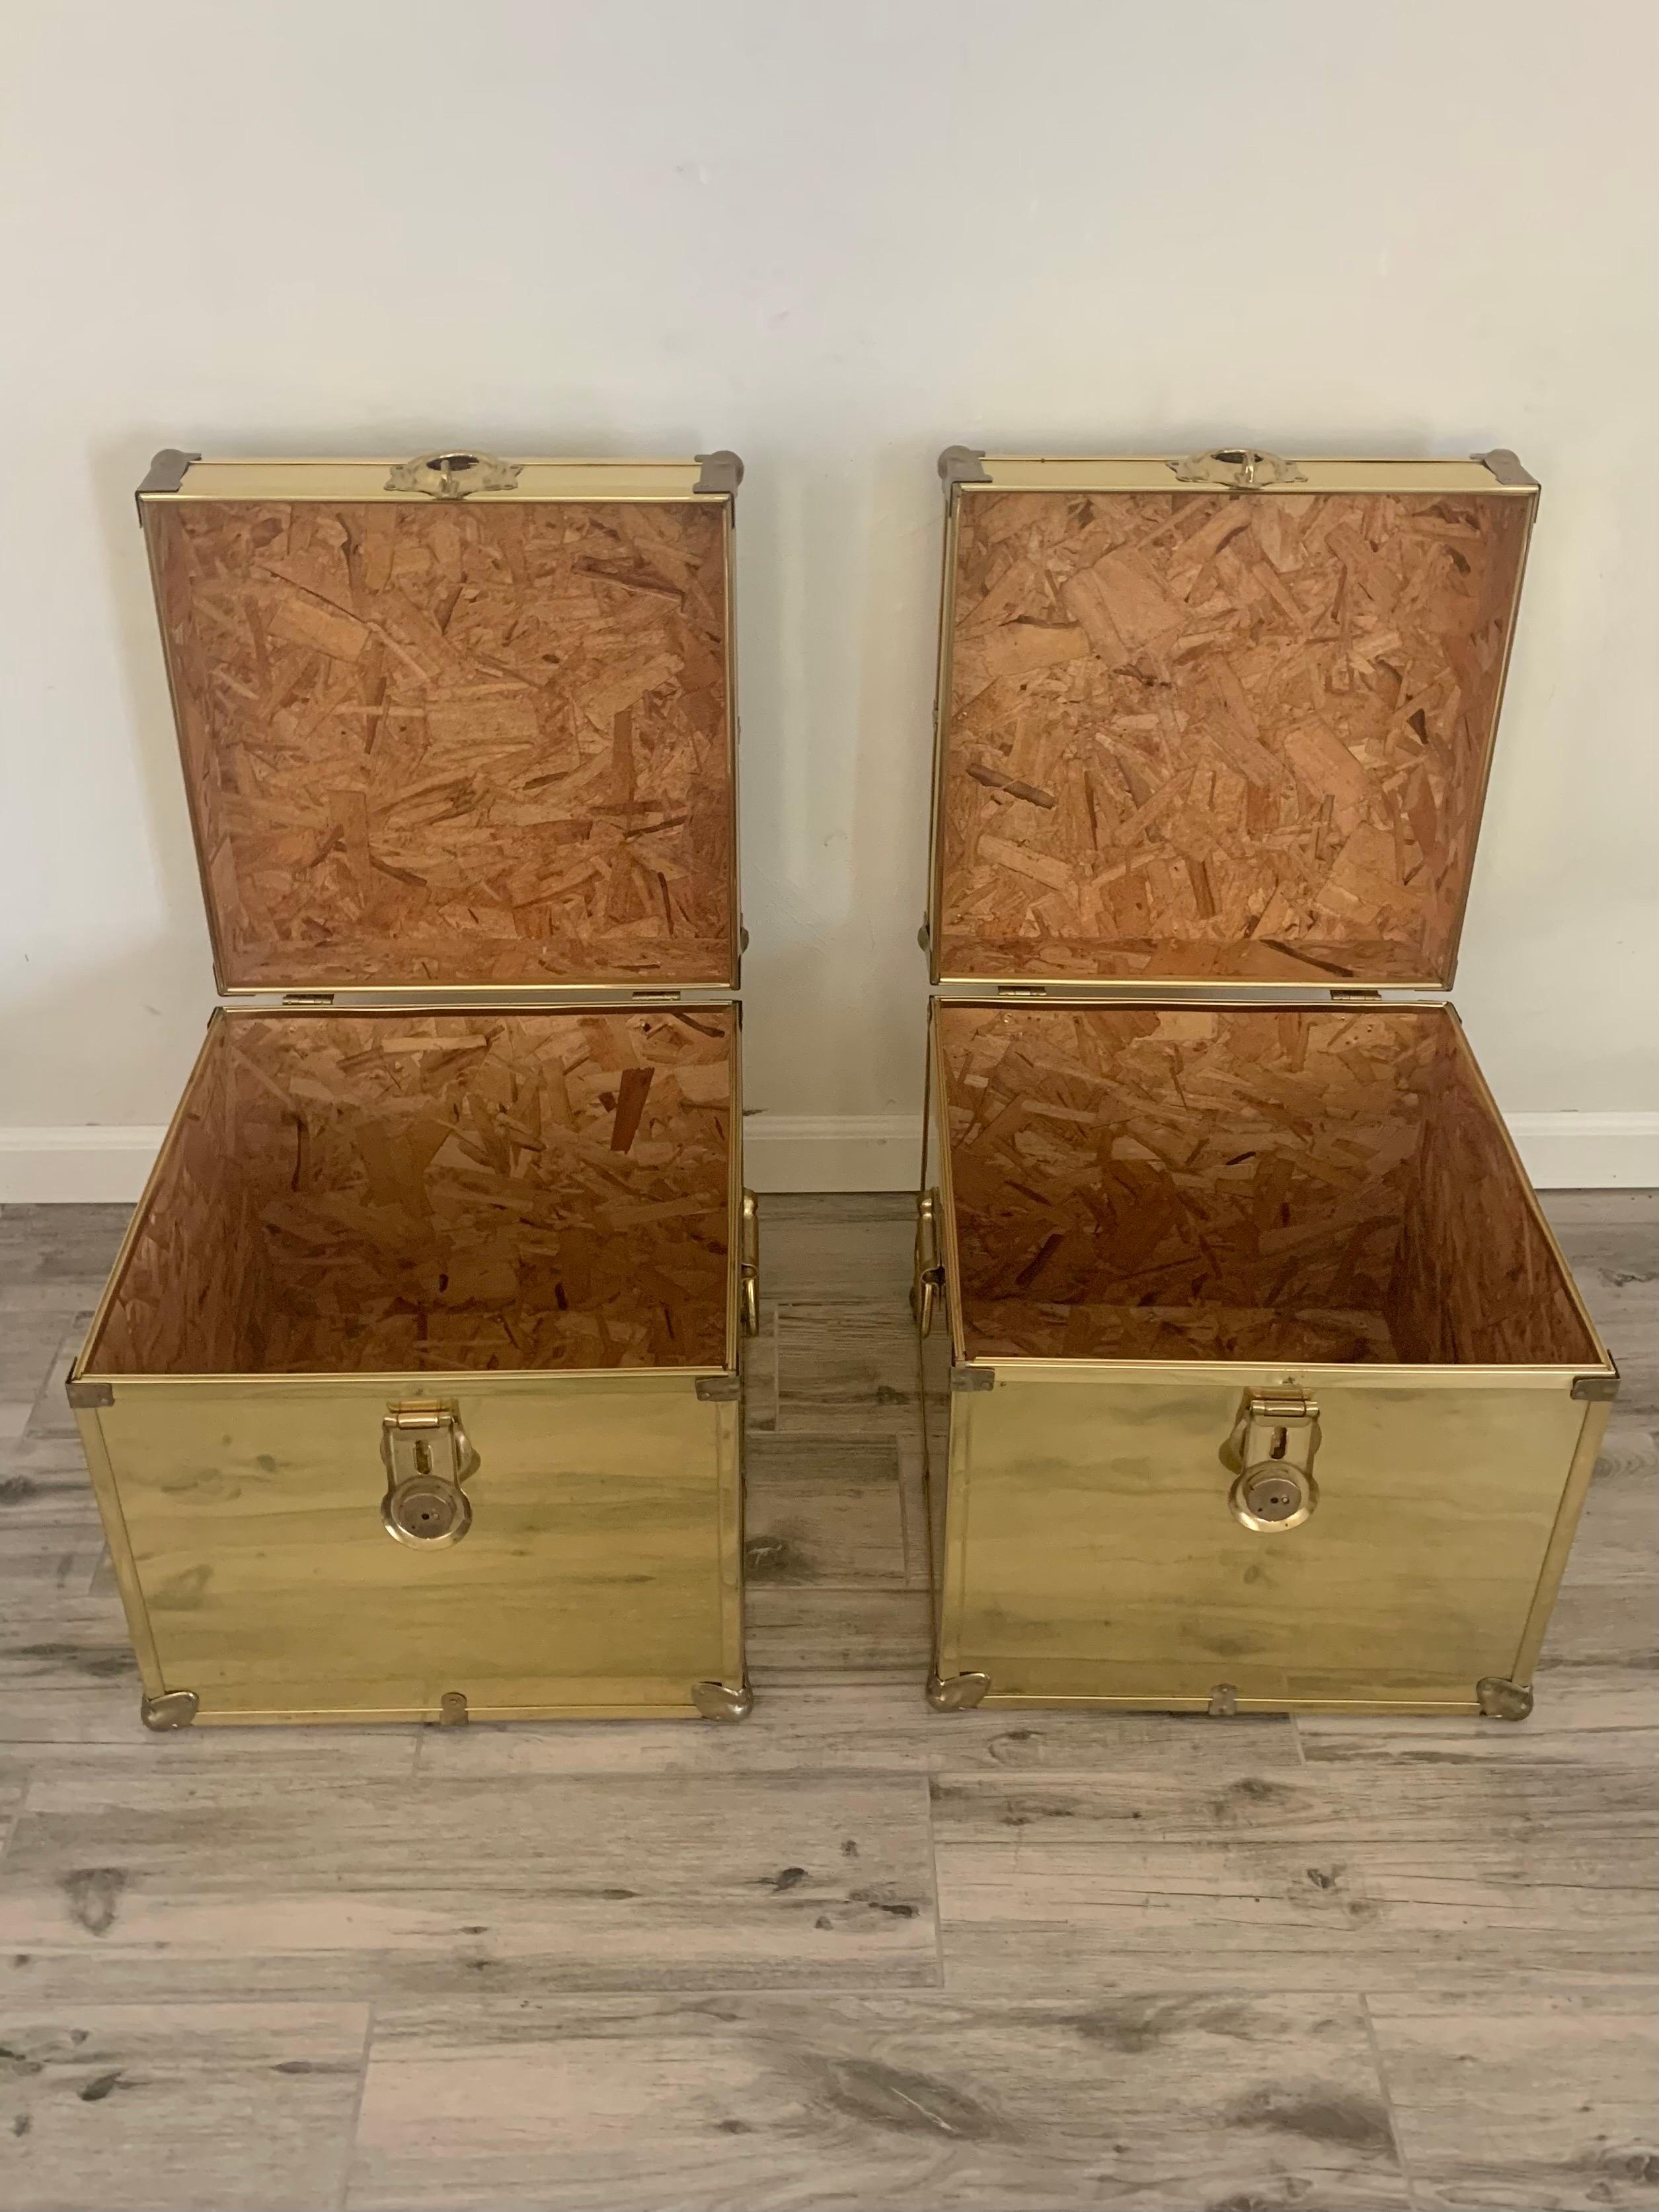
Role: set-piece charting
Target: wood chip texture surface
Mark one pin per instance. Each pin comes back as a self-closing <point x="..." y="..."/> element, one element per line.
<point x="378" y="1192"/>
<point x="454" y="744"/>
<point x="1192" y="735"/>
<point x="1145" y="1182"/>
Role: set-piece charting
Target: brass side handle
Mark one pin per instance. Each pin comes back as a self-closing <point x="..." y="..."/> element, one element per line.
<point x="1239" y="468"/>
<point x="749" y="1266"/>
<point x="454" y="475"/>
<point x="427" y="1456"/>
<point x="1271" y="1450"/>
<point x="927" y="1282"/>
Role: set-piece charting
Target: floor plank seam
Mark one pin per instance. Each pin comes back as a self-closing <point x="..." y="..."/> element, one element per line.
<point x="1395" y="2132"/>
<point x="354" y="2120"/>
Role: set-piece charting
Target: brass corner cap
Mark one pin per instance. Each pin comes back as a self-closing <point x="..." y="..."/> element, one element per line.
<point x="1506" y="467"/>
<point x="167" y="473"/>
<point x="956" y="1693"/>
<point x="959" y="465"/>
<point x="718" y="1701"/>
<point x="175" y="1709"/>
<point x="720" y="472"/>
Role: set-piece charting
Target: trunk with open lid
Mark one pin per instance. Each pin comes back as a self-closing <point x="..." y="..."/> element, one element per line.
<point x="419" y="1364"/>
<point x="1208" y="1152"/>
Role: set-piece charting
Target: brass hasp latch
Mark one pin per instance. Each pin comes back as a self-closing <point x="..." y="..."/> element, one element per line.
<point x="1271" y="1448"/>
<point x="426" y="1458"/>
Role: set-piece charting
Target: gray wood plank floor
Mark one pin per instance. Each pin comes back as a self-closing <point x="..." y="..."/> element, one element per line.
<point x="849" y="1955"/>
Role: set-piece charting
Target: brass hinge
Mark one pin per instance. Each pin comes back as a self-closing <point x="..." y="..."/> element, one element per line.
<point x="1356" y="996"/>
<point x="307" y="997"/>
<point x="1022" y="990"/>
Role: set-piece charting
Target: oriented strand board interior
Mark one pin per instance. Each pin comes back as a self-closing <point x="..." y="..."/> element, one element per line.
<point x="456" y="745"/>
<point x="371" y="1193"/>
<point x="1194" y="734"/>
<point x="1141" y="1182"/>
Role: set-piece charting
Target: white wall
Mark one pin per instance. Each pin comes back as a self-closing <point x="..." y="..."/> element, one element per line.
<point x="835" y="237"/>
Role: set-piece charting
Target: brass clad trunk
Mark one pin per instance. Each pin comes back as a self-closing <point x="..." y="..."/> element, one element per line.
<point x="1254" y="1377"/>
<point x="414" y="1390"/>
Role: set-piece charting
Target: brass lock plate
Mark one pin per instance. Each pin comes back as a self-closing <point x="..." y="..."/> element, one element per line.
<point x="1272" y="1448"/>
<point x="426" y="1458"/>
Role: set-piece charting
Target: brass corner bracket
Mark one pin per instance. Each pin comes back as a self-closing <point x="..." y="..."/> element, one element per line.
<point x="718" y="1701"/>
<point x="961" y="464"/>
<point x="956" y="1693"/>
<point x="1500" y="1699"/>
<point x="718" y="472"/>
<point x="167" y="473"/>
<point x="176" y="1709"/>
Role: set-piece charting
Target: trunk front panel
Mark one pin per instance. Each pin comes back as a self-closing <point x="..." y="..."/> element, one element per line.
<point x="600" y="1571"/>
<point x="1091" y="1551"/>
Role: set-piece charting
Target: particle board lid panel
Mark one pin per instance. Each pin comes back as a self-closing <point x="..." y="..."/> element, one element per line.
<point x="1196" y="734"/>
<point x="454" y="743"/>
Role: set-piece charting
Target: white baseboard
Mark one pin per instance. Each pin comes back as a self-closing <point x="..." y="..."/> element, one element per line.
<point x="1589" y="1152"/>
<point x="76" y="1166"/>
<point x="832" y="1152"/>
<point x="816" y="1152"/>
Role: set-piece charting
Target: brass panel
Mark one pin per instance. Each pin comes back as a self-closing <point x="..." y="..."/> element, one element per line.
<point x="599" y="1575"/>
<point x="1089" y="1552"/>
